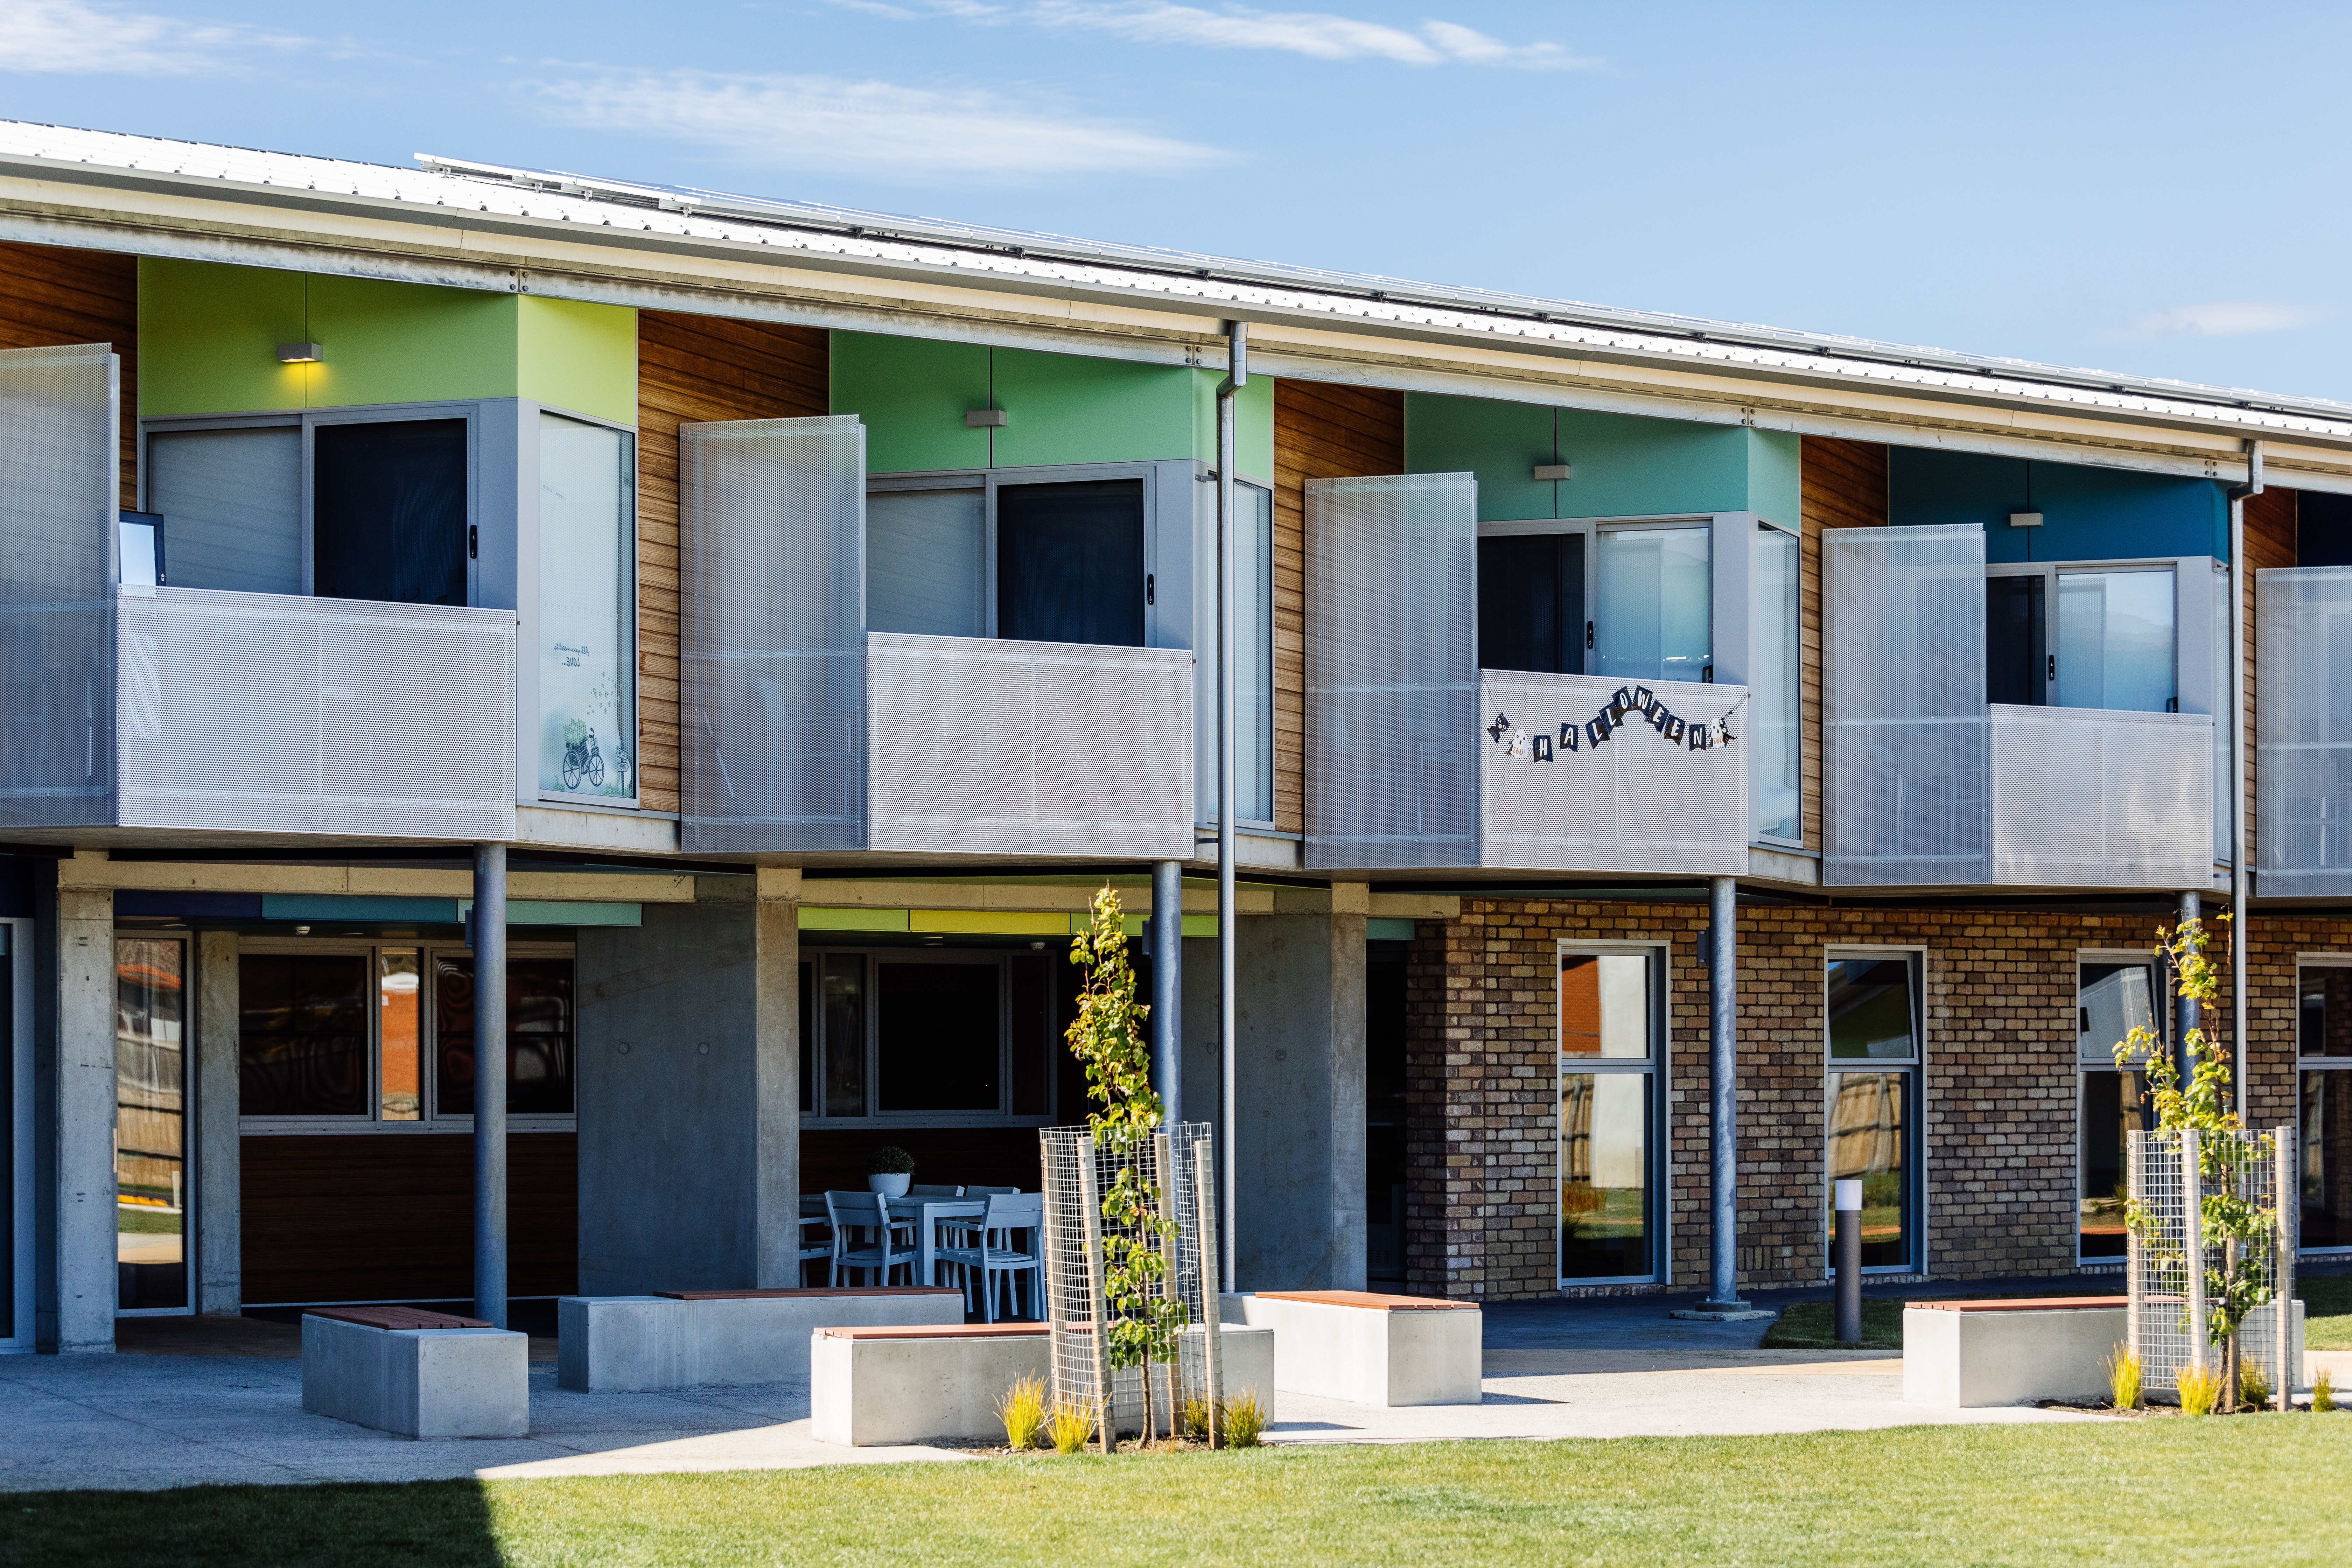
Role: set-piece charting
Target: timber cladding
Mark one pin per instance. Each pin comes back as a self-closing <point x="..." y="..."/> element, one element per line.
<point x="51" y="297"/>
<point x="1843" y="485"/>
<point x="2270" y="541"/>
<point x="1999" y="1129"/>
<point x="695" y="370"/>
<point x="1321" y="432"/>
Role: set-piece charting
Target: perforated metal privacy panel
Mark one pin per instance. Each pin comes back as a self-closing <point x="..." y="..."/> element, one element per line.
<point x="57" y="463"/>
<point x="1903" y="696"/>
<point x="1392" y="672"/>
<point x="2093" y="797"/>
<point x="2303" y="669"/>
<point x="267" y="712"/>
<point x="1581" y="774"/>
<point x="773" y="631"/>
<point x="978" y="746"/>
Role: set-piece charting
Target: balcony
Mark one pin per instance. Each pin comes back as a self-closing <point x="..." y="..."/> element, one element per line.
<point x="193" y="709"/>
<point x="941" y="745"/>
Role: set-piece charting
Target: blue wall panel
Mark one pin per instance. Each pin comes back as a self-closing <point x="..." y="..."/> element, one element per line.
<point x="2088" y="514"/>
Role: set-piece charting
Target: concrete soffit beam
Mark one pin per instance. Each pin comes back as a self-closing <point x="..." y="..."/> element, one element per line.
<point x="207" y="877"/>
<point x="1092" y="314"/>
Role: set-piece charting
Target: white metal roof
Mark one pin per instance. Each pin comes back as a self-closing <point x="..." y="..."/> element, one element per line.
<point x="976" y="254"/>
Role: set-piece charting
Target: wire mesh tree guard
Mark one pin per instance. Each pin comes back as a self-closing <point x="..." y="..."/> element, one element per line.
<point x="2225" y="1198"/>
<point x="1130" y="1361"/>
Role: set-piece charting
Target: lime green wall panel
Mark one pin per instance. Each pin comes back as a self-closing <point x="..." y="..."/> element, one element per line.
<point x="1069" y="408"/>
<point x="579" y="356"/>
<point x="1500" y="442"/>
<point x="409" y="342"/>
<point x="208" y="337"/>
<point x="912" y="394"/>
<point x="1775" y="474"/>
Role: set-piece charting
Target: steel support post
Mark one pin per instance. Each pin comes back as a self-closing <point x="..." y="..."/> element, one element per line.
<point x="1168" y="988"/>
<point x="489" y="934"/>
<point x="1723" y="1002"/>
<point x="1228" y="1093"/>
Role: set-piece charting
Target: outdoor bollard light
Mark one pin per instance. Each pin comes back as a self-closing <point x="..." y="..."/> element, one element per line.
<point x="1849" y="1262"/>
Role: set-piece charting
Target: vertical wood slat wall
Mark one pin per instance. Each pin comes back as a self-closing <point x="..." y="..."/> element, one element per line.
<point x="694" y="370"/>
<point x="1844" y="486"/>
<point x="2270" y="542"/>
<point x="1321" y="432"/>
<point x="51" y="297"/>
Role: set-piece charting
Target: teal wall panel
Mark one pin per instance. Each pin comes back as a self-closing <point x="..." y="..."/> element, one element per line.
<point x="912" y="394"/>
<point x="2088" y="514"/>
<point x="1630" y="466"/>
<point x="1065" y="408"/>
<point x="1624" y="466"/>
<point x="1775" y="474"/>
<point x="1500" y="442"/>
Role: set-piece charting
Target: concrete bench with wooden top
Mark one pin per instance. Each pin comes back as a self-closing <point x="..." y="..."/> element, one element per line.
<point x="1368" y="1348"/>
<point x="2009" y="1350"/>
<point x="414" y="1372"/>
<point x="685" y="1339"/>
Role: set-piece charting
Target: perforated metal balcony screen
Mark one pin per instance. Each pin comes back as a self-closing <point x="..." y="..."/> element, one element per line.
<point x="772" y="626"/>
<point x="265" y="712"/>
<point x="2100" y="798"/>
<point x="978" y="746"/>
<point x="1641" y="800"/>
<point x="2302" y="740"/>
<point x="57" y="490"/>
<point x="1903" y="691"/>
<point x="1392" y="672"/>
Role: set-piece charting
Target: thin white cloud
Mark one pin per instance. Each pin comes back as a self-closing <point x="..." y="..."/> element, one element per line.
<point x="2220" y="319"/>
<point x="71" y="38"/>
<point x="1316" y="33"/>
<point x="831" y="125"/>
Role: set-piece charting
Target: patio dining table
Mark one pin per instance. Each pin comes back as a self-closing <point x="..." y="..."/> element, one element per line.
<point x="925" y="1214"/>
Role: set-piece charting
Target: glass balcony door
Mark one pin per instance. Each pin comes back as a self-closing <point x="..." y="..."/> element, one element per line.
<point x="2086" y="636"/>
<point x="1655" y="602"/>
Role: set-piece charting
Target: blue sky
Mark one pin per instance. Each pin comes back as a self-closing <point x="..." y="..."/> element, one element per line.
<point x="2144" y="188"/>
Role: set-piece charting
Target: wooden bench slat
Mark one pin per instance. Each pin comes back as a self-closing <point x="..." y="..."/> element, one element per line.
<point x="1371" y="1300"/>
<point x="942" y="1332"/>
<point x="795" y="1294"/>
<point x="2024" y="1304"/>
<point x="390" y="1318"/>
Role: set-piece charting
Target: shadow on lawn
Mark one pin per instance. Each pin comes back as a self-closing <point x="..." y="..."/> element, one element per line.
<point x="430" y="1525"/>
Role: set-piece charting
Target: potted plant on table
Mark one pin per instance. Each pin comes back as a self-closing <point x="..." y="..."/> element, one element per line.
<point x="888" y="1170"/>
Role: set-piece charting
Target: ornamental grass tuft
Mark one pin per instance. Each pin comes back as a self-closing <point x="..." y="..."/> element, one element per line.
<point x="2200" y="1390"/>
<point x="1023" y="1411"/>
<point x="2254" y="1388"/>
<point x="2323" y="1392"/>
<point x="2123" y="1375"/>
<point x="1246" y="1420"/>
<point x="1069" y="1428"/>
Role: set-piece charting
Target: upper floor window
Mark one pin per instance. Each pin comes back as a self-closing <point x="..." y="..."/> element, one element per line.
<point x="2082" y="637"/>
<point x="1647" y="613"/>
<point x="913" y="1035"/>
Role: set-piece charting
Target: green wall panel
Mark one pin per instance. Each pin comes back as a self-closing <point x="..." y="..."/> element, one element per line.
<point x="1252" y="423"/>
<point x="209" y="336"/>
<point x="1500" y="442"/>
<point x="1630" y="467"/>
<point x="578" y="356"/>
<point x="1775" y="476"/>
<point x="1067" y="408"/>
<point x="912" y="394"/>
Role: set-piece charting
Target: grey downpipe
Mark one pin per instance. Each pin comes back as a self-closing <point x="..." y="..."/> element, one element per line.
<point x="490" y="935"/>
<point x="2240" y="938"/>
<point x="1167" y="987"/>
<point x="1228" y="1096"/>
<point x="1722" y="1000"/>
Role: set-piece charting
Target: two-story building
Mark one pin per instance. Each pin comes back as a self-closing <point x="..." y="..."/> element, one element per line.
<point x="788" y="617"/>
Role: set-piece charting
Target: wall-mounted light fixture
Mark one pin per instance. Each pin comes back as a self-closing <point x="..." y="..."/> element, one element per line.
<point x="985" y="418"/>
<point x="2025" y="520"/>
<point x="1551" y="471"/>
<point x="300" y="353"/>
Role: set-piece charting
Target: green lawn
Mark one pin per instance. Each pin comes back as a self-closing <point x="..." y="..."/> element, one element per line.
<point x="1807" y="1325"/>
<point x="2105" y="1493"/>
<point x="2326" y="1311"/>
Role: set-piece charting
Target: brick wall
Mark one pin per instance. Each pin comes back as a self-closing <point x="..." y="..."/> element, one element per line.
<point x="1998" y="1089"/>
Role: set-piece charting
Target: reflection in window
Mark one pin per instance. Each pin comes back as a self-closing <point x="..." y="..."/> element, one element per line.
<point x="2325" y="1105"/>
<point x="2115" y="640"/>
<point x="1655" y="603"/>
<point x="302" y="1034"/>
<point x="1777" y="686"/>
<point x="844" y="1034"/>
<point x="400" y="1034"/>
<point x="149" y="1124"/>
<point x="926" y="562"/>
<point x="2112" y="1000"/>
<point x="1606" y="1016"/>
<point x="231" y="507"/>
<point x="539" y="1035"/>
<point x="1870" y="1009"/>
<point x="1873" y="1018"/>
<point x="967" y="1036"/>
<point x="1069" y="562"/>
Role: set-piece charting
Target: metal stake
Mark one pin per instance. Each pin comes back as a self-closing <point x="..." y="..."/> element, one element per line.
<point x="1092" y="1214"/>
<point x="1205" y="1188"/>
<point x="2289" y="1193"/>
<point x="2193" y="1245"/>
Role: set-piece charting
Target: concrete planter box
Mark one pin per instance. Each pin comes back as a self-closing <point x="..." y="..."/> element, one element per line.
<point x="1368" y="1348"/>
<point x="463" y="1382"/>
<point x="686" y="1339"/>
<point x="1964" y="1354"/>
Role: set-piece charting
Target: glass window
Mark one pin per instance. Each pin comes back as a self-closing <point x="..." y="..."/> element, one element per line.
<point x="587" y="610"/>
<point x="151" y="1068"/>
<point x="2324" y="1104"/>
<point x="540" y="1033"/>
<point x="1608" y="1027"/>
<point x="2111" y="1000"/>
<point x="926" y="562"/>
<point x="1872" y="1011"/>
<point x="231" y="507"/>
<point x="1778" y="685"/>
<point x="1531" y="602"/>
<point x="2115" y="640"/>
<point x="302" y="1034"/>
<point x="1655" y="608"/>
<point x="844" y="1034"/>
<point x="2017" y="654"/>
<point x="938" y="1035"/>
<point x="1069" y="562"/>
<point x="1253" y="654"/>
<point x="948" y="1037"/>
<point x="388" y="512"/>
<point x="400" y="1034"/>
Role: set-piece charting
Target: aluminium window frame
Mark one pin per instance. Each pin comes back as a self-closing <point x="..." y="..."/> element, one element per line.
<point x="429" y="1120"/>
<point x="870" y="1047"/>
<point x="1916" y="1199"/>
<point x="1656" y="1153"/>
<point x="2304" y="1064"/>
<point x="2163" y="1013"/>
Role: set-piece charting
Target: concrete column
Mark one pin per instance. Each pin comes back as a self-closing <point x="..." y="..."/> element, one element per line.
<point x="75" y="1312"/>
<point x="776" y="1076"/>
<point x="490" y="1082"/>
<point x="219" y="1154"/>
<point x="1167" y="987"/>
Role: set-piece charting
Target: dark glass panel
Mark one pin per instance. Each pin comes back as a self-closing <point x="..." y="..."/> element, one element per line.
<point x="808" y="1036"/>
<point x="1604" y="1190"/>
<point x="1871" y="1015"/>
<point x="2325" y="1015"/>
<point x="149" y="1124"/>
<point x="2017" y="644"/>
<point x="539" y="1035"/>
<point x="1069" y="562"/>
<point x="302" y="1034"/>
<point x="1032" y="1035"/>
<point x="2114" y="1107"/>
<point x="2326" y="1158"/>
<point x="1384" y="1108"/>
<point x="844" y="1034"/>
<point x="1531" y="602"/>
<point x="938" y="1035"/>
<point x="388" y="511"/>
<point x="1870" y="1140"/>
